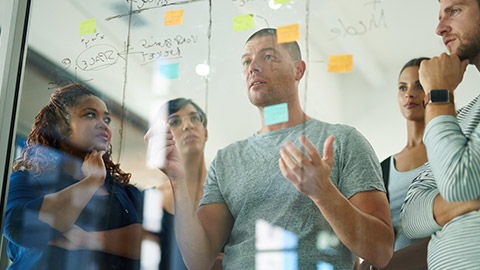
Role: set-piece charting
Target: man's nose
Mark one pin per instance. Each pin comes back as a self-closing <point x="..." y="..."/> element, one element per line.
<point x="443" y="27"/>
<point x="254" y="67"/>
<point x="187" y="124"/>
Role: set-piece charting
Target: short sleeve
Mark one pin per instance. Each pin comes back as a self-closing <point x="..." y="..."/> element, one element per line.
<point x="359" y="168"/>
<point x="211" y="191"/>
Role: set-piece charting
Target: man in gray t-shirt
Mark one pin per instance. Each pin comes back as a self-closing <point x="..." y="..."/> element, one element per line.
<point x="273" y="201"/>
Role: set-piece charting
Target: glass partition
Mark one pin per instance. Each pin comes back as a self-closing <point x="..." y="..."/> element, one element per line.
<point x="135" y="55"/>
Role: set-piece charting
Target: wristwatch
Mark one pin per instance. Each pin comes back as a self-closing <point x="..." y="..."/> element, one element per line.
<point x="439" y="96"/>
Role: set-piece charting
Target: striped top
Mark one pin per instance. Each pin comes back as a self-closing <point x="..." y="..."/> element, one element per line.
<point x="453" y="149"/>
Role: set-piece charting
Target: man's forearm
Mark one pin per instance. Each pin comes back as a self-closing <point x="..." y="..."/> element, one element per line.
<point x="444" y="211"/>
<point x="434" y="110"/>
<point x="365" y="235"/>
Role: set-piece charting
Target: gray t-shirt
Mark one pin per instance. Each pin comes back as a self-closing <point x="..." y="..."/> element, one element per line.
<point x="274" y="224"/>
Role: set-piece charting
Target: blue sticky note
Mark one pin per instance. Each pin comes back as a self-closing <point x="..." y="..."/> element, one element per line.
<point x="169" y="71"/>
<point x="324" y="266"/>
<point x="276" y="114"/>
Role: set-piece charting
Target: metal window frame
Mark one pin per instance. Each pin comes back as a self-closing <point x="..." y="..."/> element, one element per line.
<point x="13" y="42"/>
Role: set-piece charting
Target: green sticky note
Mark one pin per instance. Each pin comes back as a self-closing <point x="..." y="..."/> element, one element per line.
<point x="276" y="114"/>
<point x="243" y="22"/>
<point x="88" y="27"/>
<point x="281" y="1"/>
<point x="169" y="71"/>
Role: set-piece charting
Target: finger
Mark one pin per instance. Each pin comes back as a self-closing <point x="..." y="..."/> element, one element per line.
<point x="311" y="149"/>
<point x="90" y="155"/>
<point x="290" y="164"/>
<point x="286" y="172"/>
<point x="328" y="151"/>
<point x="147" y="136"/>
<point x="299" y="156"/>
<point x="464" y="64"/>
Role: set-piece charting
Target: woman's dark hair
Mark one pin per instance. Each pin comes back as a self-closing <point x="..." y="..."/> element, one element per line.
<point x="175" y="105"/>
<point x="51" y="130"/>
<point x="415" y="62"/>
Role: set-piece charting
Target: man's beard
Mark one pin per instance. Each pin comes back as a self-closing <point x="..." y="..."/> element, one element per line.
<point x="471" y="49"/>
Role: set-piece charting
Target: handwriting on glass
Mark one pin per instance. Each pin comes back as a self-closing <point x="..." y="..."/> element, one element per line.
<point x="86" y="41"/>
<point x="97" y="57"/>
<point x="149" y="3"/>
<point x="376" y="20"/>
<point x="171" y="47"/>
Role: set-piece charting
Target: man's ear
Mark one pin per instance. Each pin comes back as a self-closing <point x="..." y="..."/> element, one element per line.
<point x="206" y="134"/>
<point x="300" y="68"/>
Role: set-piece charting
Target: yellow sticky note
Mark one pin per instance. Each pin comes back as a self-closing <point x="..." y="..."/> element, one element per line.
<point x="340" y="63"/>
<point x="281" y="1"/>
<point x="174" y="17"/>
<point x="243" y="22"/>
<point x="288" y="33"/>
<point x="88" y="27"/>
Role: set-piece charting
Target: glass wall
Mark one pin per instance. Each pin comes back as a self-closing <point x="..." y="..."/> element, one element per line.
<point x="135" y="55"/>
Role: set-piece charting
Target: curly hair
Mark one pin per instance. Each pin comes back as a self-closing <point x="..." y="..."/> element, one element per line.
<point x="51" y="128"/>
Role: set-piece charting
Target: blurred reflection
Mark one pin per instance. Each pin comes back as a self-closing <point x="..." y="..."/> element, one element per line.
<point x="276" y="247"/>
<point x="69" y="206"/>
<point x="187" y="123"/>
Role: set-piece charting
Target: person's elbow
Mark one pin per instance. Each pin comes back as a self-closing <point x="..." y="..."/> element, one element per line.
<point x="383" y="251"/>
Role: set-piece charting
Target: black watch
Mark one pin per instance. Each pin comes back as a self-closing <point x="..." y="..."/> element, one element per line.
<point x="440" y="96"/>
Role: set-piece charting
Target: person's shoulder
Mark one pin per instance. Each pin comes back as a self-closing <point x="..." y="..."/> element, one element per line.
<point x="165" y="188"/>
<point x="235" y="146"/>
<point x="386" y="160"/>
<point x="23" y="175"/>
<point x="336" y="129"/>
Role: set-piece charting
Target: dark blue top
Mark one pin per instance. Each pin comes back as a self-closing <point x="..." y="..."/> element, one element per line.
<point x="171" y="257"/>
<point x="28" y="236"/>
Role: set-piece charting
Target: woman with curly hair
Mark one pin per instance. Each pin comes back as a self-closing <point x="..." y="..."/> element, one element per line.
<point x="69" y="205"/>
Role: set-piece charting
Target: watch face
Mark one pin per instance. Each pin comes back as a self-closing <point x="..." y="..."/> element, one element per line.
<point x="439" y="96"/>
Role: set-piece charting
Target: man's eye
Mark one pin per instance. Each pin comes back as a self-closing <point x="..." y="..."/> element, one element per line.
<point x="174" y="122"/>
<point x="402" y="88"/>
<point x="246" y="63"/>
<point x="107" y="120"/>
<point x="90" y="115"/>
<point x="195" y="119"/>
<point x="268" y="56"/>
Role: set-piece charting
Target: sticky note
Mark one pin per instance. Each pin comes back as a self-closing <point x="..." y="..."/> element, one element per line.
<point x="88" y="27"/>
<point x="281" y="1"/>
<point x="288" y="33"/>
<point x="243" y="22"/>
<point x="276" y="114"/>
<point x="174" y="17"/>
<point x="169" y="71"/>
<point x="340" y="63"/>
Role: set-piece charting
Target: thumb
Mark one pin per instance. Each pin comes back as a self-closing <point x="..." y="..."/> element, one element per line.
<point x="464" y="64"/>
<point x="328" y="151"/>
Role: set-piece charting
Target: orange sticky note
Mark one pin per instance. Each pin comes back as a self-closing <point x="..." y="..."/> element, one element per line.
<point x="174" y="17"/>
<point x="340" y="63"/>
<point x="288" y="33"/>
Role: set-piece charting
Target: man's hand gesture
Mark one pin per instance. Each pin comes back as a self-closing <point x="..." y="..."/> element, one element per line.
<point x="310" y="176"/>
